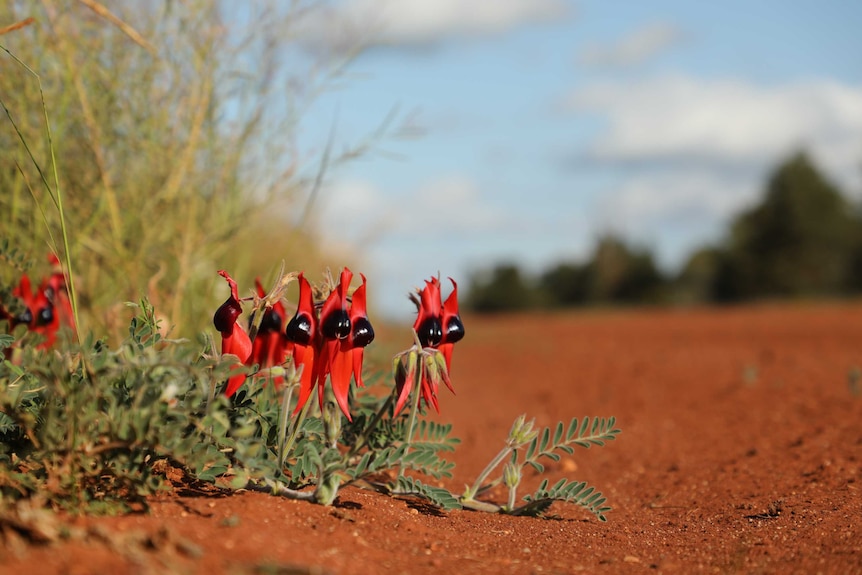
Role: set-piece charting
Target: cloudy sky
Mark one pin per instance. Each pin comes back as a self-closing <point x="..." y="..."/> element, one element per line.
<point x="540" y="124"/>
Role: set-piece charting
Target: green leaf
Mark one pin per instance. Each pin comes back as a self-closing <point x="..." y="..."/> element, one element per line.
<point x="437" y="495"/>
<point x="569" y="492"/>
<point x="6" y="340"/>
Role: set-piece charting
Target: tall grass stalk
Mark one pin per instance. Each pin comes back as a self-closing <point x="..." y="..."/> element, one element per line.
<point x="56" y="195"/>
<point x="175" y="144"/>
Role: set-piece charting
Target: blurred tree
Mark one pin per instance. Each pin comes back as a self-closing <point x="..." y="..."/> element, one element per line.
<point x="565" y="285"/>
<point x="620" y="274"/>
<point x="800" y="241"/>
<point x="705" y="277"/>
<point x="803" y="239"/>
<point x="504" y="288"/>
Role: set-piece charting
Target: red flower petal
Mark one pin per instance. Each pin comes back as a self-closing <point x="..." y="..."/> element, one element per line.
<point x="427" y="324"/>
<point x="234" y="339"/>
<point x="304" y="356"/>
<point x="302" y="334"/>
<point x="361" y="331"/>
<point x="334" y="319"/>
<point x="404" y="385"/>
<point x="341" y="368"/>
<point x="270" y="345"/>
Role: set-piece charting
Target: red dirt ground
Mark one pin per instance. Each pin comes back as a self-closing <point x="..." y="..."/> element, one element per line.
<point x="740" y="453"/>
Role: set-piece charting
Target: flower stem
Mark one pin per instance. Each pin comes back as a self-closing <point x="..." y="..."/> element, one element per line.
<point x="470" y="493"/>
<point x="366" y="433"/>
<point x="278" y="488"/>
<point x="284" y="417"/>
<point x="411" y="423"/>
<point x="512" y="495"/>
<point x="295" y="430"/>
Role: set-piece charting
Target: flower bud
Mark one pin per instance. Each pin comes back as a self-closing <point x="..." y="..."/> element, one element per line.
<point x="522" y="432"/>
<point x="511" y="475"/>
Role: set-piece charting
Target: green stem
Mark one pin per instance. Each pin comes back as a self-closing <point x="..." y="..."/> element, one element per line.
<point x="512" y="495"/>
<point x="366" y="433"/>
<point x="277" y="488"/>
<point x="213" y="383"/>
<point x="470" y="493"/>
<point x="282" y="423"/>
<point x="296" y="425"/>
<point x="480" y="506"/>
<point x="411" y="423"/>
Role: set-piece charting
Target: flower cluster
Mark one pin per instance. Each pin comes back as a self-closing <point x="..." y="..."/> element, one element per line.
<point x="438" y="326"/>
<point x="331" y="343"/>
<point x="270" y="346"/>
<point x="46" y="309"/>
<point x="326" y="340"/>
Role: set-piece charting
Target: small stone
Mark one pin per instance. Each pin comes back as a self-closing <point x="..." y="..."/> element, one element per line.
<point x="631" y="559"/>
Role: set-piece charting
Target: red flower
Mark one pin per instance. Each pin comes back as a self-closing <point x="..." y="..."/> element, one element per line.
<point x="438" y="326"/>
<point x="38" y="314"/>
<point x="56" y="292"/>
<point x="269" y="347"/>
<point x="301" y="334"/>
<point x="46" y="308"/>
<point x="234" y="339"/>
<point x="331" y="344"/>
<point x="453" y="328"/>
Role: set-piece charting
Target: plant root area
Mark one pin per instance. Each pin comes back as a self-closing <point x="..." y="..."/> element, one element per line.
<point x="740" y="452"/>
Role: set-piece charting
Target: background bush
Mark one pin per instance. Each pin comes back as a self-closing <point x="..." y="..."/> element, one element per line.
<point x="175" y="135"/>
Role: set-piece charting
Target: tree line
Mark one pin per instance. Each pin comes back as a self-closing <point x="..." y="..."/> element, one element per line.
<point x="802" y="240"/>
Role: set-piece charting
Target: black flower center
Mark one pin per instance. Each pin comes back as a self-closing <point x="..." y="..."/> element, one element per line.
<point x="300" y="329"/>
<point x="225" y="316"/>
<point x="363" y="333"/>
<point x="25" y="316"/>
<point x="430" y="332"/>
<point x="46" y="316"/>
<point x="454" y="330"/>
<point x="336" y="325"/>
<point x="271" y="321"/>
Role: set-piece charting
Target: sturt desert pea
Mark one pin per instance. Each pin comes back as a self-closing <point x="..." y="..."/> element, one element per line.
<point x="38" y="312"/>
<point x="438" y="326"/>
<point x="269" y="347"/>
<point x="234" y="339"/>
<point x="55" y="289"/>
<point x="301" y="333"/>
<point x="45" y="309"/>
<point x="332" y="343"/>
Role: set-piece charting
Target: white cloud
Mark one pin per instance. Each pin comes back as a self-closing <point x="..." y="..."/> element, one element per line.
<point x="641" y="45"/>
<point x="650" y="201"/>
<point x="351" y="24"/>
<point x="357" y="212"/>
<point x="701" y="150"/>
<point x="451" y="204"/>
<point x="352" y="213"/>
<point x="674" y="210"/>
<point x="726" y="123"/>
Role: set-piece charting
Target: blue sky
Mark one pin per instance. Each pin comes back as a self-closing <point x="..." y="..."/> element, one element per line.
<point x="537" y="125"/>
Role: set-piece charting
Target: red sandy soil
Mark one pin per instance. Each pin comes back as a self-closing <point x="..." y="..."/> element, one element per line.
<point x="740" y="453"/>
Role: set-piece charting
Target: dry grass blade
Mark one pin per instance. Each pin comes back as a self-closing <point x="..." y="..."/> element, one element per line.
<point x="116" y="21"/>
<point x="16" y="26"/>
